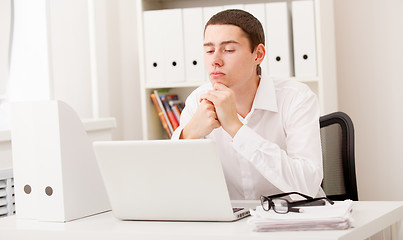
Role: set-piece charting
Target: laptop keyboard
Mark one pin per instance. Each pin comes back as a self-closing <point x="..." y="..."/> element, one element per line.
<point x="237" y="209"/>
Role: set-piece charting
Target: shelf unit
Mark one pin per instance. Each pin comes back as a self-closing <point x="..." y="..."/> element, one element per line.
<point x="323" y="84"/>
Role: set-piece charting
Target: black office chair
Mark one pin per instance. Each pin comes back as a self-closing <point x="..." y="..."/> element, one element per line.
<point x="337" y="136"/>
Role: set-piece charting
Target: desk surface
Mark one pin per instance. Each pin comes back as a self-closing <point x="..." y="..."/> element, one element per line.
<point x="369" y="217"/>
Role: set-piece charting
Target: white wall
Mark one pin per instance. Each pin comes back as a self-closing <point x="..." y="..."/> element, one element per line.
<point x="369" y="45"/>
<point x="81" y="52"/>
<point x="70" y="54"/>
<point x="5" y="20"/>
<point x="124" y="84"/>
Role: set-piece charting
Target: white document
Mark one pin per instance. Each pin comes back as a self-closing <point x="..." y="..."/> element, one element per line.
<point x="304" y="38"/>
<point x="55" y="170"/>
<point x="25" y="176"/>
<point x="193" y="42"/>
<point x="153" y="47"/>
<point x="336" y="216"/>
<point x="258" y="10"/>
<point x="278" y="47"/>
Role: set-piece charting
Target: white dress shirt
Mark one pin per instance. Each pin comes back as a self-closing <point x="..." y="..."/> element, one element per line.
<point x="277" y="149"/>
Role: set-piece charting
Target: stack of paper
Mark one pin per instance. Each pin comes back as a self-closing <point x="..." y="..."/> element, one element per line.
<point x="337" y="216"/>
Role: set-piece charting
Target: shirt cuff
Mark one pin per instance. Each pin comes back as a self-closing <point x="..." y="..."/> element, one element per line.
<point x="177" y="133"/>
<point x="246" y="141"/>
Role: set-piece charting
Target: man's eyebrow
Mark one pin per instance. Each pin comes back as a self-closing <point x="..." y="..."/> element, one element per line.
<point x="209" y="44"/>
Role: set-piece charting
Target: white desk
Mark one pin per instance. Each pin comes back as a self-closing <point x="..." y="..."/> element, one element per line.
<point x="370" y="218"/>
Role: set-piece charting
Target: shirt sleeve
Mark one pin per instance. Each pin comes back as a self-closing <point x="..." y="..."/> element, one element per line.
<point x="188" y="111"/>
<point x="299" y="166"/>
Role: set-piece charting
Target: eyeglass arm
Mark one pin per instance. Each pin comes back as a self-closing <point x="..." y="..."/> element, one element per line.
<point x="289" y="193"/>
<point x="304" y="202"/>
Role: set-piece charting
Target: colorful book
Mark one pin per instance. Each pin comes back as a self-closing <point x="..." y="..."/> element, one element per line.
<point x="171" y="116"/>
<point x="175" y="104"/>
<point x="176" y="112"/>
<point x="178" y="104"/>
<point x="161" y="113"/>
<point x="170" y="97"/>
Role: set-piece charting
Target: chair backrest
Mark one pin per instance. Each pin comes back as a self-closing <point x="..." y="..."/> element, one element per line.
<point x="337" y="136"/>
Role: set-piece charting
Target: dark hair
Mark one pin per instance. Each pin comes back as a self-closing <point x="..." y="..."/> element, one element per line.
<point x="247" y="22"/>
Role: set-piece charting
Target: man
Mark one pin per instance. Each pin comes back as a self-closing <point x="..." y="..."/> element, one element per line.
<point x="266" y="130"/>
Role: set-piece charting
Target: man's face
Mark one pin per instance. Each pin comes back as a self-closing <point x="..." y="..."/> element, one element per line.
<point x="227" y="55"/>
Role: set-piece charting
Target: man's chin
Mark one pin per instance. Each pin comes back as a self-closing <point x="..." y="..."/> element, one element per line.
<point x="218" y="80"/>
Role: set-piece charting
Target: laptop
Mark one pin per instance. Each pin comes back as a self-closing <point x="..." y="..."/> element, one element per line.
<point x="165" y="180"/>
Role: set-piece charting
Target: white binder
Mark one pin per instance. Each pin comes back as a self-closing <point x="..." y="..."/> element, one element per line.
<point x="258" y="10"/>
<point x="304" y="38"/>
<point x="173" y="45"/>
<point x="208" y="12"/>
<point x="153" y="47"/>
<point x="233" y="6"/>
<point x="193" y="42"/>
<point x="163" y="40"/>
<point x="56" y="176"/>
<point x="278" y="47"/>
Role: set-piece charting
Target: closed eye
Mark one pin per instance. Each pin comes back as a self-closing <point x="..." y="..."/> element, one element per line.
<point x="209" y="50"/>
<point x="229" y="50"/>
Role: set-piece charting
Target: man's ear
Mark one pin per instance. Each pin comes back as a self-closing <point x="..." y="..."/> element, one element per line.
<point x="260" y="53"/>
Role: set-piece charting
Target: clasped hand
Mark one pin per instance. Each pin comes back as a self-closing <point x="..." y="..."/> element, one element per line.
<point x="217" y="108"/>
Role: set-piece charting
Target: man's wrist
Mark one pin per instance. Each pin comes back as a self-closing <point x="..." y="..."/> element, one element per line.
<point x="234" y="128"/>
<point x="185" y="134"/>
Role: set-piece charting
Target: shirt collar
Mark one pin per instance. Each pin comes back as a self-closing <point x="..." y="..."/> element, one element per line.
<point x="265" y="95"/>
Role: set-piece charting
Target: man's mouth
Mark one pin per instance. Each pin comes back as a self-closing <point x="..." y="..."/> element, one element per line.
<point x="216" y="74"/>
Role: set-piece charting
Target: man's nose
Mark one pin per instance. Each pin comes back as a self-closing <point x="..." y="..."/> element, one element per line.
<point x="217" y="59"/>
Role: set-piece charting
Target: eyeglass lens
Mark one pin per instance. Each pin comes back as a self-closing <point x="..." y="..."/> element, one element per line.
<point x="280" y="205"/>
<point x="265" y="204"/>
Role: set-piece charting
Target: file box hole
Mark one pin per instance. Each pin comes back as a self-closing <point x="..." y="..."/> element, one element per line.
<point x="27" y="189"/>
<point x="155" y="64"/>
<point x="174" y="63"/>
<point x="195" y="62"/>
<point x="305" y="57"/>
<point x="278" y="58"/>
<point x="49" y="191"/>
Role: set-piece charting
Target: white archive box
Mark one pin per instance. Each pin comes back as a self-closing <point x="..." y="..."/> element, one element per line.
<point x="193" y="42"/>
<point x="153" y="48"/>
<point x="163" y="39"/>
<point x="56" y="176"/>
<point x="258" y="10"/>
<point x="279" y="40"/>
<point x="174" y="52"/>
<point x="233" y="6"/>
<point x="208" y="12"/>
<point x="303" y="24"/>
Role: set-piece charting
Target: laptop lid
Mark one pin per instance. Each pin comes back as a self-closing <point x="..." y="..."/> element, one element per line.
<point x="165" y="180"/>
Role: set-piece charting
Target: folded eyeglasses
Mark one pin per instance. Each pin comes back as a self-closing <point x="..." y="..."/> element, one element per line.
<point x="281" y="205"/>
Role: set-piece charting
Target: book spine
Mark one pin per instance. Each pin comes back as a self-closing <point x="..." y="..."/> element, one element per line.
<point x="178" y="104"/>
<point x="176" y="111"/>
<point x="161" y="115"/>
<point x="163" y="111"/>
<point x="170" y="114"/>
